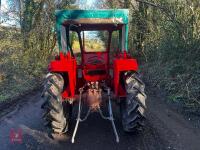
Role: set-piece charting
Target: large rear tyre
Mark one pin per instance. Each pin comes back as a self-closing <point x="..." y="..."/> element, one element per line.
<point x="54" y="116"/>
<point x="133" y="106"/>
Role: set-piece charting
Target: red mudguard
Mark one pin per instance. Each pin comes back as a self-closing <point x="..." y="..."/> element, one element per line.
<point x="122" y="63"/>
<point x="66" y="64"/>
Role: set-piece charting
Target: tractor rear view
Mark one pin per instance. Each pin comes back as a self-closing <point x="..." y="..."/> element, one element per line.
<point x="95" y="76"/>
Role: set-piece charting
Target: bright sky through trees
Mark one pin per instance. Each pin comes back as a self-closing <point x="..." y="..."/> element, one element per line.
<point x="8" y="16"/>
<point x="9" y="19"/>
<point x="87" y="4"/>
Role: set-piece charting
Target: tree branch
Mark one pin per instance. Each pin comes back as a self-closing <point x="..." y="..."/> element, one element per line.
<point x="149" y="3"/>
<point x="168" y="13"/>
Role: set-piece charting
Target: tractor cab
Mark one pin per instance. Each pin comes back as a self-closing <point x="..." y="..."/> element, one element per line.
<point x="87" y="36"/>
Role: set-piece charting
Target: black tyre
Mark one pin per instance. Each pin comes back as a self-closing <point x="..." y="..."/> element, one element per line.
<point x="54" y="115"/>
<point x="133" y="106"/>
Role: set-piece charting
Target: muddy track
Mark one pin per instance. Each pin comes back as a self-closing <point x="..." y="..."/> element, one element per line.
<point x="165" y="129"/>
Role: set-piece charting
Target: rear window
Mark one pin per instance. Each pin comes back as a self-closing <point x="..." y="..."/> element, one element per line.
<point x="95" y="41"/>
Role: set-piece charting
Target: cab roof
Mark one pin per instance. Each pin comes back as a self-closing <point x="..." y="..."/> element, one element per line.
<point x="88" y="20"/>
<point x="108" y="16"/>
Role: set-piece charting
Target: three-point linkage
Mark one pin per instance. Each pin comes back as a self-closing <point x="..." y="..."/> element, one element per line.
<point x="110" y="117"/>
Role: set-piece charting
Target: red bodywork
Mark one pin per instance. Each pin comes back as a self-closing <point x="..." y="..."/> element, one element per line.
<point x="95" y="67"/>
<point x="66" y="64"/>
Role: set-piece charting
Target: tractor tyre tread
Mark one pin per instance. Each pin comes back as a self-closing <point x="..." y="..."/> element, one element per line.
<point x="133" y="106"/>
<point x="53" y="115"/>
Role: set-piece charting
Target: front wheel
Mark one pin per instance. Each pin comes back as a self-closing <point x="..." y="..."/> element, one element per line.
<point x="133" y="106"/>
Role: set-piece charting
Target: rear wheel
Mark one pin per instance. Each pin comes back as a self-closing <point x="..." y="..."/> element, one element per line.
<point x="133" y="106"/>
<point x="54" y="115"/>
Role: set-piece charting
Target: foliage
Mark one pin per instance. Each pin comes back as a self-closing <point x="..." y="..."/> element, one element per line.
<point x="25" y="50"/>
<point x="164" y="35"/>
<point x="14" y="76"/>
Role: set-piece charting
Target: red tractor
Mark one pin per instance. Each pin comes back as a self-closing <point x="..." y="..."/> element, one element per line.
<point x="94" y="76"/>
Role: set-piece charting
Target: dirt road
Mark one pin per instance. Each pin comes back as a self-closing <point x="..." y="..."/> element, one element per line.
<point x="165" y="129"/>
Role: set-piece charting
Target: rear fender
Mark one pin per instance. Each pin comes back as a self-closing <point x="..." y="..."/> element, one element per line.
<point x="122" y="63"/>
<point x="66" y="65"/>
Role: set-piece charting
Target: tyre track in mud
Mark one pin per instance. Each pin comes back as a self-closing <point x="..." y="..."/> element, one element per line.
<point x="165" y="129"/>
